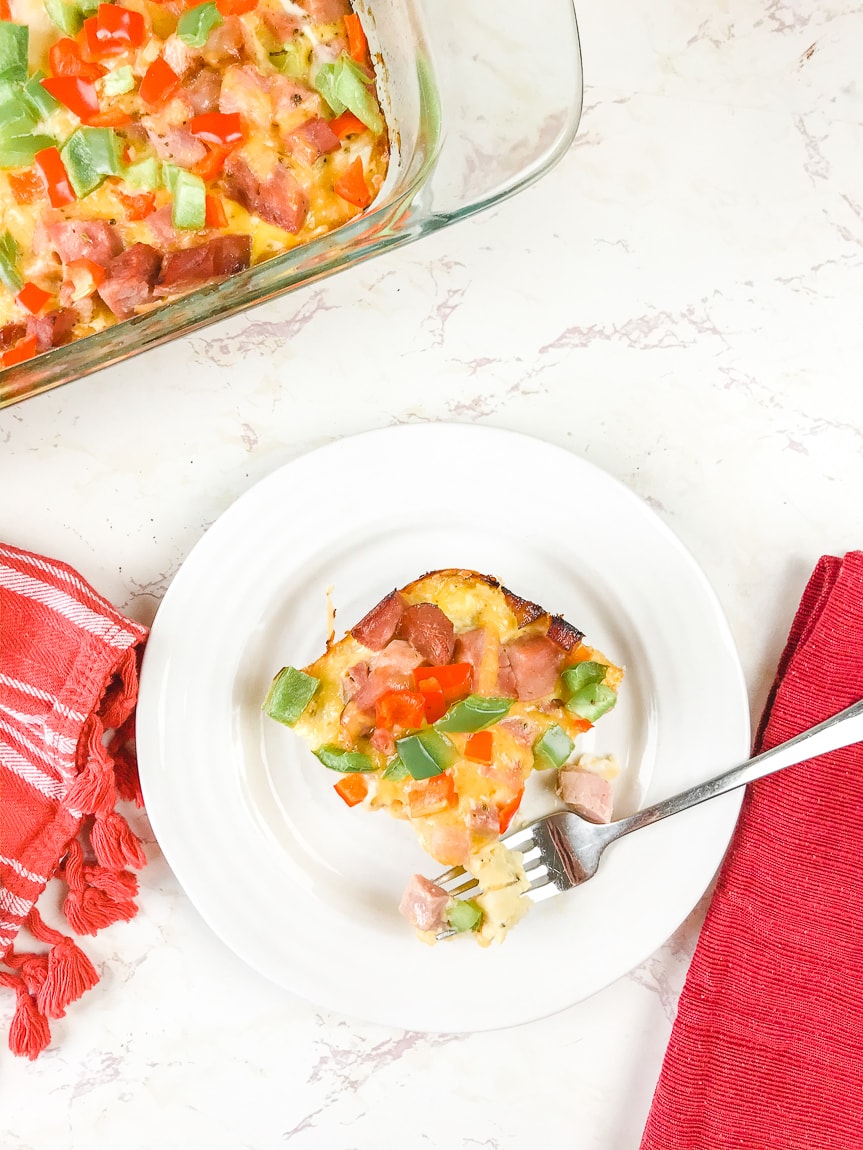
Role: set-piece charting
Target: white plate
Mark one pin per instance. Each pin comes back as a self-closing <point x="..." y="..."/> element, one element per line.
<point x="305" y="889"/>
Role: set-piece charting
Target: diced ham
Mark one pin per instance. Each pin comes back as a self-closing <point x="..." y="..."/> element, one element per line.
<point x="588" y="794"/>
<point x="353" y="679"/>
<point x="506" y="682"/>
<point x="11" y="333"/>
<point x="563" y="633"/>
<point x="356" y="722"/>
<point x="313" y="139"/>
<point x="469" y="647"/>
<point x="376" y="628"/>
<point x="449" y="844"/>
<point x="383" y="740"/>
<point x="95" y="240"/>
<point x="227" y="42"/>
<point x="179" y="55"/>
<point x="246" y="91"/>
<point x="429" y="631"/>
<point x="282" y="24"/>
<point x="217" y="259"/>
<point x="423" y="903"/>
<point x="176" y="145"/>
<point x="484" y="822"/>
<point x="390" y="671"/>
<point x="53" y="329"/>
<point x="201" y="94"/>
<point x="165" y="235"/>
<point x="129" y="279"/>
<point x="524" y="731"/>
<point x="535" y="661"/>
<point x="325" y="11"/>
<point x="277" y="198"/>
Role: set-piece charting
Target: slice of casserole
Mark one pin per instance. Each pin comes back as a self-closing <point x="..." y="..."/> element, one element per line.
<point x="436" y="707"/>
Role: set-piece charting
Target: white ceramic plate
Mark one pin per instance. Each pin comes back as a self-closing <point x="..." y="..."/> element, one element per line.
<point x="305" y="889"/>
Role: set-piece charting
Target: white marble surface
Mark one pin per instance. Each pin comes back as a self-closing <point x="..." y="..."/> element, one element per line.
<point x="678" y="302"/>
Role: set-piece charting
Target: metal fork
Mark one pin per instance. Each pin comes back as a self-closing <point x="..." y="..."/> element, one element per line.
<point x="562" y="850"/>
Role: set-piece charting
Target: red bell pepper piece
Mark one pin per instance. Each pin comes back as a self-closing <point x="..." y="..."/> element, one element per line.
<point x="159" y="84"/>
<point x="113" y="118"/>
<point x="221" y="128"/>
<point x="76" y="92"/>
<point x="32" y="298"/>
<point x="137" y="207"/>
<point x="235" y="7"/>
<point x="435" y="699"/>
<point x="26" y="349"/>
<point x="113" y="30"/>
<point x="404" y="709"/>
<point x="507" y="811"/>
<point x="5" y="10"/>
<point x="215" y="215"/>
<point x="479" y="746"/>
<point x="358" y="47"/>
<point x="454" y="679"/>
<point x="54" y="176"/>
<point x="212" y="163"/>
<point x="347" y="124"/>
<point x="25" y="186"/>
<point x="352" y="788"/>
<point x="65" y="59"/>
<point x="431" y="796"/>
<point x="352" y="186"/>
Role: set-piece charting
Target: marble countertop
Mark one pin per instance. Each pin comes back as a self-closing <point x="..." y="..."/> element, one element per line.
<point x="678" y="302"/>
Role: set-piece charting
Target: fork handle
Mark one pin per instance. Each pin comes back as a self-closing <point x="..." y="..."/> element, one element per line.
<point x="839" y="731"/>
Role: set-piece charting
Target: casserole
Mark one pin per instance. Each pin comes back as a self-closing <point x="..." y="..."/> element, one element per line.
<point x="475" y="111"/>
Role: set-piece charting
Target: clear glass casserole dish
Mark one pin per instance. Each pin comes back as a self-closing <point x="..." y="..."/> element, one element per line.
<point x="479" y="101"/>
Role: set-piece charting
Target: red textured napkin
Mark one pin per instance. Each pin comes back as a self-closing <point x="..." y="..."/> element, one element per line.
<point x="68" y="677"/>
<point x="767" y="1048"/>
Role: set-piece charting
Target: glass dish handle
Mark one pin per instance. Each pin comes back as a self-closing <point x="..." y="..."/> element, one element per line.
<point x="511" y="91"/>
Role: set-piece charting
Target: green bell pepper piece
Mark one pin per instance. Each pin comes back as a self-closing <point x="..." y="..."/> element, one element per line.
<point x="474" y="713"/>
<point x="293" y="59"/>
<point x="40" y="102"/>
<point x="66" y="15"/>
<point x="426" y="753"/>
<point x="464" y="914"/>
<point x="396" y="770"/>
<point x="9" y="254"/>
<point x="189" y="209"/>
<point x="591" y="701"/>
<point x="196" y="24"/>
<point x="348" y="762"/>
<point x="119" y="82"/>
<point x="552" y="748"/>
<point x="14" y="46"/>
<point x="581" y="674"/>
<point x="144" y="174"/>
<point x="20" y="151"/>
<point x="89" y="155"/>
<point x="290" y="693"/>
<point x="344" y="85"/>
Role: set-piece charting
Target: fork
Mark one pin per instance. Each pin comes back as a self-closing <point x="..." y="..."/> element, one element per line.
<point x="562" y="850"/>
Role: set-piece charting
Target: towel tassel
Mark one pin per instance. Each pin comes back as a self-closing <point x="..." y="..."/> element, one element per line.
<point x="93" y="791"/>
<point x="69" y="972"/>
<point x="122" y="750"/>
<point x="115" y="843"/>
<point x="29" y="1032"/>
<point x="89" y="907"/>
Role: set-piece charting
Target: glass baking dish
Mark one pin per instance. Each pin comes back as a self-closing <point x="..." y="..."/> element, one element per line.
<point x="480" y="101"/>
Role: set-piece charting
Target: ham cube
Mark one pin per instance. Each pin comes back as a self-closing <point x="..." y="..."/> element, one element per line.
<point x="588" y="794"/>
<point x="423" y="903"/>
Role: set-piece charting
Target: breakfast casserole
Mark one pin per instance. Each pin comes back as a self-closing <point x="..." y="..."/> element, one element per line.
<point x="148" y="149"/>
<point x="436" y="707"/>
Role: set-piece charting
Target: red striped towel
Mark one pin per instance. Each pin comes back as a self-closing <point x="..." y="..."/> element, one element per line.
<point x="68" y="687"/>
<point x="767" y="1046"/>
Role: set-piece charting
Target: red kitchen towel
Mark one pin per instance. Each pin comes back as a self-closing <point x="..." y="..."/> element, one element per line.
<point x="68" y="687"/>
<point x="767" y="1047"/>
